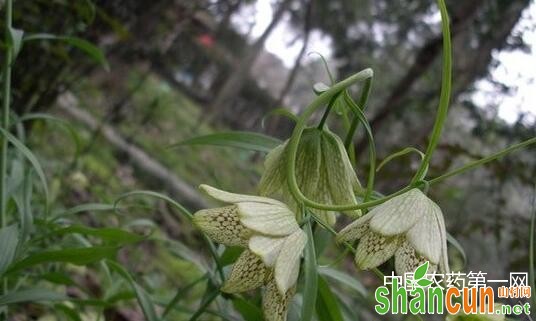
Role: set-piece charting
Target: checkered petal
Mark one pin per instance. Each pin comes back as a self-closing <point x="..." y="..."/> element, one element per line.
<point x="248" y="273"/>
<point x="374" y="249"/>
<point x="222" y="225"/>
<point x="407" y="260"/>
<point x="274" y="304"/>
<point x="355" y="230"/>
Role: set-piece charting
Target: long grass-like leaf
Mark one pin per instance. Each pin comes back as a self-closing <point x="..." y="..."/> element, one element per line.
<point x="9" y="240"/>
<point x="85" y="46"/>
<point x="76" y="256"/>
<point x="327" y="306"/>
<point x="310" y="276"/>
<point x="238" y="139"/>
<point x="31" y="295"/>
<point x="27" y="153"/>
<point x="142" y="296"/>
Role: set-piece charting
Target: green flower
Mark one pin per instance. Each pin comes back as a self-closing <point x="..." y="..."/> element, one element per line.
<point x="323" y="173"/>
<point x="273" y="240"/>
<point x="409" y="226"/>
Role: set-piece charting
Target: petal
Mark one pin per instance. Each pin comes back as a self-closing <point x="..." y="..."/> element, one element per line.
<point x="425" y="236"/>
<point x="273" y="178"/>
<point x="222" y="225"/>
<point x="248" y="273"/>
<point x="355" y="230"/>
<point x="400" y="213"/>
<point x="374" y="249"/>
<point x="274" y="305"/>
<point x="268" y="219"/>
<point x="287" y="265"/>
<point x="233" y="198"/>
<point x="444" y="260"/>
<point x="341" y="179"/>
<point x="308" y="158"/>
<point x="407" y="260"/>
<point x="266" y="247"/>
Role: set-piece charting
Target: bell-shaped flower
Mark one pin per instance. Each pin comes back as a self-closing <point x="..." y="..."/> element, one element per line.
<point x="409" y="226"/>
<point x="273" y="240"/>
<point x="323" y="173"/>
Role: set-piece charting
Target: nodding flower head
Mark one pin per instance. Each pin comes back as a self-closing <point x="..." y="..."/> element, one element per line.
<point x="273" y="240"/>
<point x="323" y="172"/>
<point x="409" y="226"/>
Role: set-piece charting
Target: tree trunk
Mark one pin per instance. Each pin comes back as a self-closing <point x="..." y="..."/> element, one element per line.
<point x="235" y="81"/>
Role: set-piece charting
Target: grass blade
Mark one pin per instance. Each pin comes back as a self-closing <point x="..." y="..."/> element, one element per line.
<point x="327" y="306"/>
<point x="32" y="159"/>
<point x="142" y="296"/>
<point x="8" y="245"/>
<point x="310" y="276"/>
<point x="245" y="140"/>
<point x="31" y="295"/>
<point x="76" y="256"/>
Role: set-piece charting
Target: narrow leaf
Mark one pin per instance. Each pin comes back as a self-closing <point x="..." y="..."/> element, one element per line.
<point x="76" y="256"/>
<point x="142" y="296"/>
<point x="345" y="279"/>
<point x="85" y="46"/>
<point x="244" y="140"/>
<point x="31" y="158"/>
<point x="310" y="276"/>
<point x="249" y="311"/>
<point x="327" y="305"/>
<point x="108" y="234"/>
<point x="8" y="245"/>
<point x="31" y="295"/>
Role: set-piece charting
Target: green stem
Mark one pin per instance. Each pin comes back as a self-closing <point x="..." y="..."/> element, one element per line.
<point x="483" y="161"/>
<point x="328" y="110"/>
<point x="446" y="83"/>
<point x="6" y="95"/>
<point x="362" y="104"/>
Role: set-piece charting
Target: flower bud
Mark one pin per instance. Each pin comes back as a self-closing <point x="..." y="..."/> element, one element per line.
<point x="324" y="173"/>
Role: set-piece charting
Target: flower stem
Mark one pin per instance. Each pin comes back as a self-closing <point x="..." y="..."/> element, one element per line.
<point x="327" y="111"/>
<point x="6" y="95"/>
<point x="4" y="124"/>
<point x="446" y="83"/>
<point x="361" y="104"/>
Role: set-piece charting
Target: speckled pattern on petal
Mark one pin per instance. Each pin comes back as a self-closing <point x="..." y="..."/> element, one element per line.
<point x="222" y="225"/>
<point x="407" y="260"/>
<point x="248" y="273"/>
<point x="274" y="305"/>
<point x="374" y="249"/>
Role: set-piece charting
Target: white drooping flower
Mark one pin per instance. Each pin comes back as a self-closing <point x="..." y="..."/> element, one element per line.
<point x="409" y="226"/>
<point x="273" y="240"/>
<point x="323" y="173"/>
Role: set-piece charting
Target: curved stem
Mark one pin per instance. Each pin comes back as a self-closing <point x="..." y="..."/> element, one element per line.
<point x="446" y="83"/>
<point x="328" y="110"/>
<point x="362" y="104"/>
